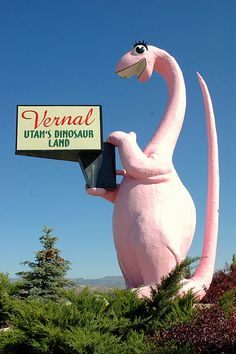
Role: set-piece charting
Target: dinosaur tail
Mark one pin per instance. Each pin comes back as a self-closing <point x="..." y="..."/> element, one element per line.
<point x="205" y="269"/>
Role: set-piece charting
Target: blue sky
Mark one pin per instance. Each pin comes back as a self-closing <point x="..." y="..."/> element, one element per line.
<point x="64" y="53"/>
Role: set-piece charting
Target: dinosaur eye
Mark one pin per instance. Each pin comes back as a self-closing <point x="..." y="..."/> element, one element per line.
<point x="139" y="49"/>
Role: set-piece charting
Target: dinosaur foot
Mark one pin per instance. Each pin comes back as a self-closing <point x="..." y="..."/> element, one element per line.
<point x="197" y="287"/>
<point x="144" y="291"/>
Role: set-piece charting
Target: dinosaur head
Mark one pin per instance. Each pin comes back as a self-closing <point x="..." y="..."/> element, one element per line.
<point x="139" y="61"/>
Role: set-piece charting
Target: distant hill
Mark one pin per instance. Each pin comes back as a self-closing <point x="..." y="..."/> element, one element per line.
<point x="103" y="284"/>
<point x="109" y="282"/>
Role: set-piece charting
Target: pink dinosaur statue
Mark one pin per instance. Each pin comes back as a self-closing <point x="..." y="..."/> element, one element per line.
<point x="154" y="216"/>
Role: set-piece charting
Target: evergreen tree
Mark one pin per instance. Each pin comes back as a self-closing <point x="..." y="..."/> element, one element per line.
<point x="47" y="275"/>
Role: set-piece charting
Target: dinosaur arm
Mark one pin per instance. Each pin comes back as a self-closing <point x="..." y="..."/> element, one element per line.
<point x="135" y="162"/>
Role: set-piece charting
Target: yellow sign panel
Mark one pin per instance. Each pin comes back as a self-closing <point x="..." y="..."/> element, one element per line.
<point x="59" y="128"/>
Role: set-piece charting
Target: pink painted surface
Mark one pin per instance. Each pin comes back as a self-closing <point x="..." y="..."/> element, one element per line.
<point x="154" y="215"/>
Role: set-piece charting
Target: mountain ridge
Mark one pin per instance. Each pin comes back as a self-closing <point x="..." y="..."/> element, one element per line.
<point x="115" y="281"/>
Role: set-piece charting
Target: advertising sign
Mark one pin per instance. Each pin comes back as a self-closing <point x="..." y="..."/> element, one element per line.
<point x="58" y="128"/>
<point x="70" y="133"/>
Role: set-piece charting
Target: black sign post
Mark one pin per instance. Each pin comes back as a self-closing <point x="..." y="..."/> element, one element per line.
<point x="99" y="168"/>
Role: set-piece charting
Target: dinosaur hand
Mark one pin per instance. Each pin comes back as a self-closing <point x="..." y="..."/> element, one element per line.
<point x="118" y="137"/>
<point x="121" y="172"/>
<point x="95" y="191"/>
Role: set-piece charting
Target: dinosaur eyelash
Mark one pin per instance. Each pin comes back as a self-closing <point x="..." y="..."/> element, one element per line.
<point x="141" y="43"/>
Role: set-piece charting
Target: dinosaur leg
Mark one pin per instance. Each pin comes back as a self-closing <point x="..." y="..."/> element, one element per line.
<point x="128" y="263"/>
<point x="152" y="268"/>
<point x="128" y="283"/>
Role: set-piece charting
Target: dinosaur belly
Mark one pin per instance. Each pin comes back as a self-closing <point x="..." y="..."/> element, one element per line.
<point x="153" y="225"/>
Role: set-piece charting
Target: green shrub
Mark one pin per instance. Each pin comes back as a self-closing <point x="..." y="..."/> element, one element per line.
<point x="91" y="322"/>
<point x="8" y="291"/>
<point x="228" y="301"/>
<point x="85" y="325"/>
<point x="4" y="298"/>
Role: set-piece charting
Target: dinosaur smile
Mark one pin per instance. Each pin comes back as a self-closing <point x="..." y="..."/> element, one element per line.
<point x="134" y="69"/>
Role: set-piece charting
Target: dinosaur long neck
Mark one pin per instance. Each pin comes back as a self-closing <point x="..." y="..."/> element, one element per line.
<point x="166" y="135"/>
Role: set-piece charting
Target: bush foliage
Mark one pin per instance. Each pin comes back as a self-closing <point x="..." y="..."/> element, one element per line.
<point x="213" y="328"/>
<point x="223" y="281"/>
<point x="115" y="322"/>
<point x="119" y="322"/>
